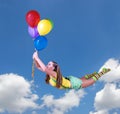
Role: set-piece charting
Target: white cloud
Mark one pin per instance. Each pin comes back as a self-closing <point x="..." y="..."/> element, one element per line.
<point x="15" y="94"/>
<point x="109" y="97"/>
<point x="60" y="106"/>
<point x="34" y="112"/>
<point x="114" y="74"/>
<point x="115" y="113"/>
<point x="100" y="112"/>
<point x="16" y="97"/>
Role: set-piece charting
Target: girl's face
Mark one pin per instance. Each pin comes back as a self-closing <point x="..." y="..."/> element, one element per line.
<point x="50" y="65"/>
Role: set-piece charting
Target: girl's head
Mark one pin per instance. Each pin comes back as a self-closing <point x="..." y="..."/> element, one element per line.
<point x="52" y="65"/>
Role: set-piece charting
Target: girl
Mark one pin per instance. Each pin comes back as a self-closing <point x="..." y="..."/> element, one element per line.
<point x="55" y="78"/>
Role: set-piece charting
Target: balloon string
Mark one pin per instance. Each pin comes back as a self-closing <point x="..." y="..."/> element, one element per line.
<point x="33" y="69"/>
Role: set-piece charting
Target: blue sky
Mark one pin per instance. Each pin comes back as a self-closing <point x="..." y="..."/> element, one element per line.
<point x="84" y="39"/>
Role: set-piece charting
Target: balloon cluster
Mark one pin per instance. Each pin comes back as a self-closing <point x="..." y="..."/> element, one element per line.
<point x="37" y="29"/>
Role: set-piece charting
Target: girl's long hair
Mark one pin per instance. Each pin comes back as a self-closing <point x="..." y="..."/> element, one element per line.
<point x="59" y="75"/>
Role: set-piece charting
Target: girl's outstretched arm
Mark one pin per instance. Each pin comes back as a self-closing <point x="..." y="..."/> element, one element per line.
<point x="38" y="62"/>
<point x="41" y="66"/>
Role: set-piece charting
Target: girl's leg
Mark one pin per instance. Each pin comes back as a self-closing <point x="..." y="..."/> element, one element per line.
<point x="83" y="78"/>
<point x="87" y="82"/>
<point x="93" y="79"/>
<point x="87" y="76"/>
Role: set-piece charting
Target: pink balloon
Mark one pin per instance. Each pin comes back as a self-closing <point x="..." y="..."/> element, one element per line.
<point x="33" y="32"/>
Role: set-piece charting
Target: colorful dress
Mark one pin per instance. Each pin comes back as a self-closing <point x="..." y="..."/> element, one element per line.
<point x="69" y="82"/>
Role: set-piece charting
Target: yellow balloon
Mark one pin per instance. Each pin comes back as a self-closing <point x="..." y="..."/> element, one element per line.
<point x="44" y="26"/>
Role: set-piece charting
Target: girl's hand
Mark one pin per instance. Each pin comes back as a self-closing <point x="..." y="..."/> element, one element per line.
<point x="35" y="55"/>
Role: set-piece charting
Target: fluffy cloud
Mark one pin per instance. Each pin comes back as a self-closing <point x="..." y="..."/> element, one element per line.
<point x="109" y="97"/>
<point x="63" y="104"/>
<point x="15" y="94"/>
<point x="114" y="74"/>
<point x="100" y="112"/>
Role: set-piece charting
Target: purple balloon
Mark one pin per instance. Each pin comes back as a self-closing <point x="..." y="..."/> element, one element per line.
<point x="33" y="32"/>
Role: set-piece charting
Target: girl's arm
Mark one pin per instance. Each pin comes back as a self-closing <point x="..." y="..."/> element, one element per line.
<point x="41" y="66"/>
<point x="37" y="65"/>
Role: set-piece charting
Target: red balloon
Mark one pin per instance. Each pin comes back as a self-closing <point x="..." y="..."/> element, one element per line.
<point x="32" y="18"/>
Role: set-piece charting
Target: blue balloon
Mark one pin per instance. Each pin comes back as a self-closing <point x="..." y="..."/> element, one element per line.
<point x="40" y="43"/>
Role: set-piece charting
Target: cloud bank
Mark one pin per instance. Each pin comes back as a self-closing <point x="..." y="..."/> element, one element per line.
<point x="108" y="98"/>
<point x="16" y="97"/>
<point x="114" y="74"/>
<point x="15" y="94"/>
<point x="64" y="104"/>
